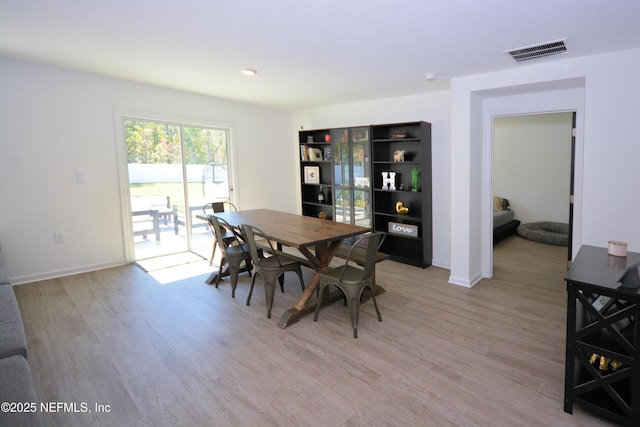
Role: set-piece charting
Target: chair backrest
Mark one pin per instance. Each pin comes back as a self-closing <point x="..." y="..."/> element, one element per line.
<point x="215" y="207"/>
<point x="372" y="243"/>
<point x="217" y="225"/>
<point x="251" y="232"/>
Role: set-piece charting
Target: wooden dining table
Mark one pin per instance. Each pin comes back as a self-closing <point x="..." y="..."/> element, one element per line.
<point x="316" y="239"/>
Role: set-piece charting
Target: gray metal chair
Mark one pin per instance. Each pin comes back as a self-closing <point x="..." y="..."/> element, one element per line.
<point x="353" y="280"/>
<point x="270" y="264"/>
<point x="235" y="251"/>
<point x="215" y="207"/>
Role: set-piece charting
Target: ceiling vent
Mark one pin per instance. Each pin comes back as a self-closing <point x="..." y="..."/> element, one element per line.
<point x="522" y="54"/>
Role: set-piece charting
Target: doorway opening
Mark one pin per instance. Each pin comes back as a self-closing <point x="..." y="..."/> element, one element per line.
<point x="533" y="168"/>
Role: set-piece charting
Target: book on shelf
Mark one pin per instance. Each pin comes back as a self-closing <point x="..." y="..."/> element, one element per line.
<point x="314" y="154"/>
<point x="327" y="154"/>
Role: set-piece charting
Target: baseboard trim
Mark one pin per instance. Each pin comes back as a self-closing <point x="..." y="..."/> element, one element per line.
<point x="441" y="264"/>
<point x="467" y="283"/>
<point x="21" y="280"/>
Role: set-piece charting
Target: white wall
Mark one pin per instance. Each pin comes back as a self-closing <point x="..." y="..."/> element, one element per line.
<point x="57" y="122"/>
<point x="433" y="108"/>
<point x="63" y="121"/>
<point x="532" y="165"/>
<point x="609" y="158"/>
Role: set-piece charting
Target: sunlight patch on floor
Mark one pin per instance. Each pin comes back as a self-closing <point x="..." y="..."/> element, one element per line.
<point x="181" y="272"/>
<point x="172" y="268"/>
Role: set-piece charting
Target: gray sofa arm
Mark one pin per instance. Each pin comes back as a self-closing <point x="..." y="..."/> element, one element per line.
<point x="16" y="388"/>
<point x="12" y="338"/>
<point x="4" y="274"/>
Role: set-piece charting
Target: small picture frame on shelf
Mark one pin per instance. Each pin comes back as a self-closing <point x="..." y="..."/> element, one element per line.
<point x="312" y="175"/>
<point x="361" y="135"/>
<point x="403" y="229"/>
<point x="601" y="302"/>
<point x="327" y="154"/>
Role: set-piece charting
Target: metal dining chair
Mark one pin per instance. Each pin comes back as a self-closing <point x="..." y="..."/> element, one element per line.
<point x="270" y="264"/>
<point x="235" y="251"/>
<point x="353" y="280"/>
<point x="216" y="207"/>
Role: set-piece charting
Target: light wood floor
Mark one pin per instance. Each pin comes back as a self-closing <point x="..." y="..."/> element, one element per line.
<point x="187" y="354"/>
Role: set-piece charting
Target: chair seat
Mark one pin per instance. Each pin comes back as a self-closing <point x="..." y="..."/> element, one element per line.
<point x="352" y="275"/>
<point x="238" y="250"/>
<point x="228" y="235"/>
<point x="272" y="263"/>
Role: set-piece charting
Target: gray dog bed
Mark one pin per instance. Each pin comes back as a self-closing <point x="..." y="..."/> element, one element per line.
<point x="552" y="233"/>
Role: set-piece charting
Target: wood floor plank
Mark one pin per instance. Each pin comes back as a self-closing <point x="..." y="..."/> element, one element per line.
<point x="187" y="354"/>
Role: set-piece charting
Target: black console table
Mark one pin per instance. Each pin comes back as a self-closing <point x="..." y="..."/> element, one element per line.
<point x="602" y="372"/>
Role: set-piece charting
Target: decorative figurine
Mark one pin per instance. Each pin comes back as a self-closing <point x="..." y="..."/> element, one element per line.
<point x="388" y="180"/>
<point x="615" y="365"/>
<point x="604" y="363"/>
<point x="398" y="156"/>
<point x="401" y="208"/>
<point x="415" y="179"/>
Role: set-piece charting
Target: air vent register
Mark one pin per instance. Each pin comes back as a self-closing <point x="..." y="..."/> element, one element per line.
<point x="538" y="51"/>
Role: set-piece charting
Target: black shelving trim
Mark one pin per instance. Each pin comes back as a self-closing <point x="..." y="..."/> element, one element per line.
<point x="320" y="205"/>
<point x="398" y="216"/>
<point x="398" y="140"/>
<point x="410" y="261"/>
<point x="391" y="162"/>
<point x="396" y="191"/>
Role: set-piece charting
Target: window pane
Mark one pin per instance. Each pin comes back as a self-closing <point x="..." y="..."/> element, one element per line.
<point x="155" y="186"/>
<point x="205" y="152"/>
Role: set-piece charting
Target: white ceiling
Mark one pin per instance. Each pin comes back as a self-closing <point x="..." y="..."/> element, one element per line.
<point x="308" y="53"/>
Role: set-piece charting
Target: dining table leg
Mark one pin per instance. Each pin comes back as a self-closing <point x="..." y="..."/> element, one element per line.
<point x="293" y="314"/>
<point x="322" y="258"/>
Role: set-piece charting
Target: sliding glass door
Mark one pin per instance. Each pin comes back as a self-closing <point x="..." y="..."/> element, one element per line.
<point x="173" y="170"/>
<point x="207" y="172"/>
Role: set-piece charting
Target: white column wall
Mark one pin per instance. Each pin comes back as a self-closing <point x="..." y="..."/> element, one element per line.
<point x="610" y="172"/>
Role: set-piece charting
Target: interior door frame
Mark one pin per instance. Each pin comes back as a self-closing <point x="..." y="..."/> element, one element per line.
<point x="512" y="103"/>
<point x="572" y="162"/>
<point x="119" y="116"/>
<point x="572" y="187"/>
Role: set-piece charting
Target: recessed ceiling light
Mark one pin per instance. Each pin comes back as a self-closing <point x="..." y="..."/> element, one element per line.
<point x="430" y="76"/>
<point x="249" y="72"/>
